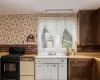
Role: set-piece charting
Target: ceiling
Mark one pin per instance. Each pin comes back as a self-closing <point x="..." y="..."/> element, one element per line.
<point x="39" y="6"/>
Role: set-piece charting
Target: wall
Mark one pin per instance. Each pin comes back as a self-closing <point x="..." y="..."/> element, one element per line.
<point x="15" y="28"/>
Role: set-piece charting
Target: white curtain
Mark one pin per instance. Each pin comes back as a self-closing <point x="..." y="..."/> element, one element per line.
<point x="56" y="26"/>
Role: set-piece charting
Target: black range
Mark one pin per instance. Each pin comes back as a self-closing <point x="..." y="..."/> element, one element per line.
<point x="10" y="64"/>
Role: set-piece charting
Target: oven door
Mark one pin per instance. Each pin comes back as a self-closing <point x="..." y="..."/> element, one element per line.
<point x="10" y="70"/>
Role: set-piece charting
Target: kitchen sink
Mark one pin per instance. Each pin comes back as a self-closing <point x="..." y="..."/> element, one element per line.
<point x="51" y="55"/>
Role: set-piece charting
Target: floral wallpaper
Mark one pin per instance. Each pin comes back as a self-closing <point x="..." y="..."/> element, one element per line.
<point x="15" y="28"/>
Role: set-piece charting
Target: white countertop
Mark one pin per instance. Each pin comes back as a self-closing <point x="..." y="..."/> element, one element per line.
<point x="51" y="57"/>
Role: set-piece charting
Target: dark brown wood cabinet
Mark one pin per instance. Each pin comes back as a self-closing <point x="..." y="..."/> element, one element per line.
<point x="97" y="27"/>
<point x="80" y="69"/>
<point x="87" y="73"/>
<point x="85" y="23"/>
<point x="89" y="30"/>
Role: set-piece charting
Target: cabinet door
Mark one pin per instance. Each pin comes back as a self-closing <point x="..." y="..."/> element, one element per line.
<point x="54" y="72"/>
<point x="87" y="73"/>
<point x="75" y="73"/>
<point x="47" y="71"/>
<point x="97" y="69"/>
<point x="63" y="72"/>
<point x="98" y="27"/>
<point x="26" y="67"/>
<point x="85" y="27"/>
<point x="26" y="77"/>
<point x="39" y="71"/>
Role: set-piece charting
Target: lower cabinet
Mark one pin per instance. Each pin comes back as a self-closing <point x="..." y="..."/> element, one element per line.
<point x="26" y="77"/>
<point x="87" y="73"/>
<point x="51" y="70"/>
<point x="62" y="71"/>
<point x="80" y="69"/>
<point x="39" y="71"/>
<point x="75" y="73"/>
<point x="54" y="72"/>
<point x="46" y="71"/>
<point x="97" y="69"/>
<point x="0" y="69"/>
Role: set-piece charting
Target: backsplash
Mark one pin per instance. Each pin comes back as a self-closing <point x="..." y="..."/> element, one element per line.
<point x="15" y="28"/>
<point x="30" y="49"/>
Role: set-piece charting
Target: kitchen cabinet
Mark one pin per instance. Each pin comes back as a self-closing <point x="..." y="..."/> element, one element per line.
<point x="80" y="69"/>
<point x="54" y="72"/>
<point x="47" y="71"/>
<point x="27" y="68"/>
<point x="39" y="71"/>
<point x="88" y="30"/>
<point x="97" y="27"/>
<point x="85" y="25"/>
<point x="0" y="69"/>
<point x="97" y="69"/>
<point x="51" y="69"/>
<point x="87" y="73"/>
<point x="62" y="71"/>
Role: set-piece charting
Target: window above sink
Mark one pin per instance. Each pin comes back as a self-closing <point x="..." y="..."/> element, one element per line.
<point x="58" y="34"/>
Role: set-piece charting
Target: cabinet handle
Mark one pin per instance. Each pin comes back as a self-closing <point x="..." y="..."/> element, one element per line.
<point x="47" y="65"/>
<point x="62" y="61"/>
<point x="62" y="65"/>
<point x="84" y="62"/>
<point x="39" y="65"/>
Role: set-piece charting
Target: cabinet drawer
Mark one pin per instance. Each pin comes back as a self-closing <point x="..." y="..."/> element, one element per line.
<point x="82" y="61"/>
<point x="38" y="60"/>
<point x="50" y="60"/>
<point x="75" y="61"/>
<point x="26" y="77"/>
<point x="62" y="60"/>
<point x="87" y="62"/>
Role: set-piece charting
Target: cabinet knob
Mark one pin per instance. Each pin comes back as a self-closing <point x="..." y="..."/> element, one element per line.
<point x="62" y="61"/>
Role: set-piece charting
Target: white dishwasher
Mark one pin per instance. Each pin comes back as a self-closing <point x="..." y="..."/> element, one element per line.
<point x="51" y="69"/>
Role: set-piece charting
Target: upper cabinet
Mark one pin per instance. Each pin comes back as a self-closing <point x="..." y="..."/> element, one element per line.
<point x="89" y="30"/>
<point x="97" y="28"/>
<point x="85" y="23"/>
